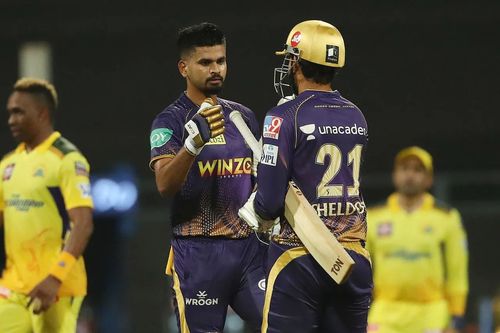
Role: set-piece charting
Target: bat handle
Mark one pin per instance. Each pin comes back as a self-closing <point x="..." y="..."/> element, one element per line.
<point x="245" y="132"/>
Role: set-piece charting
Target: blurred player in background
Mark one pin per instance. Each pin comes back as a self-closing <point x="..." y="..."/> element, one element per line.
<point x="419" y="251"/>
<point x="317" y="140"/>
<point x="215" y="259"/>
<point x="46" y="211"/>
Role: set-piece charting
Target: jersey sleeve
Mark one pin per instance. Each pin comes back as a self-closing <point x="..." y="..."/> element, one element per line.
<point x="2" y="205"/>
<point x="166" y="137"/>
<point x="274" y="167"/>
<point x="456" y="259"/>
<point x="74" y="181"/>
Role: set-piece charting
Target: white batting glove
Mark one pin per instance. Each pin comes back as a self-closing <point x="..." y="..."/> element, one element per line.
<point x="286" y="99"/>
<point x="247" y="213"/>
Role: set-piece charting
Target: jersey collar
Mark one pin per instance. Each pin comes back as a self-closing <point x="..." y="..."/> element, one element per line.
<point x="393" y="202"/>
<point x="42" y="146"/>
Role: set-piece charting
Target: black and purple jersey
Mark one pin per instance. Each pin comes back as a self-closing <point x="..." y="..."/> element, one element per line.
<point x="316" y="140"/>
<point x="220" y="179"/>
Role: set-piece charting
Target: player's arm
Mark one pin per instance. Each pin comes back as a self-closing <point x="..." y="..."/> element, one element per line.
<point x="171" y="170"/>
<point x="456" y="260"/>
<point x="274" y="173"/>
<point x="1" y="205"/>
<point x="75" y="189"/>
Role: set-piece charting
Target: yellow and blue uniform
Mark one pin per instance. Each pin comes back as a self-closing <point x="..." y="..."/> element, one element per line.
<point x="420" y="266"/>
<point x="37" y="188"/>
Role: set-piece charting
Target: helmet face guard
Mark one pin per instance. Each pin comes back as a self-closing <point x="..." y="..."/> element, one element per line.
<point x="283" y="77"/>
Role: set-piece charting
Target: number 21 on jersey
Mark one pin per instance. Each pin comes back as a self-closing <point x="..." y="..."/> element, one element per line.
<point x="324" y="188"/>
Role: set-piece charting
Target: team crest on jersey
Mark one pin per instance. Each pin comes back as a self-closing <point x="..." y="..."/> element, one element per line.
<point x="272" y="126"/>
<point x="384" y="229"/>
<point x="297" y="36"/>
<point x="39" y="173"/>
<point x="7" y="172"/>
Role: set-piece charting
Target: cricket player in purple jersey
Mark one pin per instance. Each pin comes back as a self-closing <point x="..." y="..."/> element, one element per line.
<point x="215" y="258"/>
<point x="317" y="140"/>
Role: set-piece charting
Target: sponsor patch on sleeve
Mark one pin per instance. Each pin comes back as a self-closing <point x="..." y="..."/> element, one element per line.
<point x="81" y="169"/>
<point x="269" y="155"/>
<point x="160" y="136"/>
<point x="84" y="189"/>
<point x="272" y="126"/>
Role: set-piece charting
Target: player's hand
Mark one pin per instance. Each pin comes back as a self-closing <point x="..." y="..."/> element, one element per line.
<point x="247" y="213"/>
<point x="207" y="123"/>
<point x="44" y="294"/>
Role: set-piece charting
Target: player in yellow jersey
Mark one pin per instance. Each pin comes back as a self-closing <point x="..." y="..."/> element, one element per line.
<point x="419" y="252"/>
<point x="46" y="213"/>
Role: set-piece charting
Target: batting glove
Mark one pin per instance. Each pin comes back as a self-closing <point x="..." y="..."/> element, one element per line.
<point x="286" y="99"/>
<point x="207" y="123"/>
<point x="247" y="213"/>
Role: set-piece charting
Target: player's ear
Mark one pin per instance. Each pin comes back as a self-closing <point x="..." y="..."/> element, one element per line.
<point x="182" y="66"/>
<point x="429" y="180"/>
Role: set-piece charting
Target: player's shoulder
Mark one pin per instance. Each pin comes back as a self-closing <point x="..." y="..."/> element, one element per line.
<point x="445" y="208"/>
<point x="376" y="209"/>
<point x="8" y="156"/>
<point x="63" y="146"/>
<point x="67" y="151"/>
<point x="342" y="100"/>
<point x="177" y="110"/>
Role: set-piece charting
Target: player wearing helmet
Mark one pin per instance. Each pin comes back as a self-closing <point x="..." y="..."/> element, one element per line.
<point x="317" y="139"/>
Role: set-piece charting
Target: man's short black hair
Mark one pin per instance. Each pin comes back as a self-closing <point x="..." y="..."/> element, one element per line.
<point x="317" y="73"/>
<point x="203" y="34"/>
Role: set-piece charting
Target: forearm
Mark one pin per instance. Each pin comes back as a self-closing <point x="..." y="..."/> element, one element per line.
<point x="81" y="231"/>
<point x="171" y="173"/>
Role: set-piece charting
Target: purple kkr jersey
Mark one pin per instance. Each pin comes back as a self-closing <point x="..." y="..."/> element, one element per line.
<point x="220" y="179"/>
<point x="316" y="140"/>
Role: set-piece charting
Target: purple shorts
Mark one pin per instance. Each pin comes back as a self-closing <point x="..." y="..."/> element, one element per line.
<point x="212" y="273"/>
<point x="302" y="297"/>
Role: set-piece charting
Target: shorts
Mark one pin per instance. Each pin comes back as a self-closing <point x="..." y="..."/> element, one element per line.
<point x="210" y="274"/>
<point x="16" y="317"/>
<point x="302" y="297"/>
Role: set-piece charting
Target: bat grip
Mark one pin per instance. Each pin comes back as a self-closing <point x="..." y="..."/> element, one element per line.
<point x="245" y="132"/>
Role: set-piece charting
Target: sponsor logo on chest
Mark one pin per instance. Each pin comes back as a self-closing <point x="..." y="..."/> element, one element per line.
<point x="226" y="167"/>
<point x="7" y="172"/>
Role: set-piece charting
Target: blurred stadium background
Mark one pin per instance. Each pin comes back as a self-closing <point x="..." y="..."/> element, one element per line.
<point x="423" y="72"/>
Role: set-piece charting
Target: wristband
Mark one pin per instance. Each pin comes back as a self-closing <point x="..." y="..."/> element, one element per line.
<point x="63" y="266"/>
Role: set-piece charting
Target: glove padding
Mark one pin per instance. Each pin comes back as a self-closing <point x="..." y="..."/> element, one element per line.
<point x="247" y="213"/>
<point x="207" y="123"/>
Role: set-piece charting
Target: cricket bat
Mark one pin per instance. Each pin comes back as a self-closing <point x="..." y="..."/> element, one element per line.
<point x="304" y="220"/>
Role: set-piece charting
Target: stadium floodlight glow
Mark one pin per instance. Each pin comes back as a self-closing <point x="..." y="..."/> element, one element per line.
<point x="113" y="196"/>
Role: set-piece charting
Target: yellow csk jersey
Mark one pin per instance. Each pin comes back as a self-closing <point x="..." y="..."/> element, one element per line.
<point x="36" y="190"/>
<point x="419" y="256"/>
